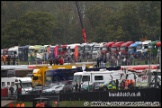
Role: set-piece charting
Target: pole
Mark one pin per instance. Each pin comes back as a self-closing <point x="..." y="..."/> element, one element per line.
<point x="149" y="73"/>
<point x="160" y="57"/>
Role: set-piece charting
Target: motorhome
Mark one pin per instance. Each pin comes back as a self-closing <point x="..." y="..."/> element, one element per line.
<point x="101" y="76"/>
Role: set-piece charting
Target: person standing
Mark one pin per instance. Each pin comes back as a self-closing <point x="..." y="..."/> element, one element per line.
<point x="76" y="87"/>
<point x="11" y="90"/>
<point x="61" y="61"/>
<point x="117" y="84"/>
<point x="8" y="59"/>
<point x="14" y="59"/>
<point x="98" y="61"/>
<point x="4" y="58"/>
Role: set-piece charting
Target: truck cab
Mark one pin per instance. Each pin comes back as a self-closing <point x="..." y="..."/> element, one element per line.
<point x="116" y="47"/>
<point x="152" y="48"/>
<point x="142" y="47"/>
<point x="96" y="51"/>
<point x="106" y="48"/>
<point x="124" y="47"/>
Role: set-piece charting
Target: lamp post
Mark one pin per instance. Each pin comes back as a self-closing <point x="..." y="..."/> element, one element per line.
<point x="149" y="73"/>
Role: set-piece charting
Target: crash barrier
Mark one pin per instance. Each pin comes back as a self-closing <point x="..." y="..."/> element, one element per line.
<point x="149" y="94"/>
<point x="31" y="97"/>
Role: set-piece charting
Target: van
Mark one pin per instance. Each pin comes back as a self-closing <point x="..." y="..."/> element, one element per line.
<point x="88" y="78"/>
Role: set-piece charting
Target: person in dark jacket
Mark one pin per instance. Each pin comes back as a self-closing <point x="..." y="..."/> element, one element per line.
<point x="8" y="59"/>
<point x="11" y="90"/>
<point x="117" y="84"/>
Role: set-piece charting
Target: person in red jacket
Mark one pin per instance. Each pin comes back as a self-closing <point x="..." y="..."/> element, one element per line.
<point x="61" y="61"/>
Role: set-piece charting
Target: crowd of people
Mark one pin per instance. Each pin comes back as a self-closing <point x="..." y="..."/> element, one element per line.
<point x="101" y="59"/>
<point x="127" y="59"/>
<point x="9" y="59"/>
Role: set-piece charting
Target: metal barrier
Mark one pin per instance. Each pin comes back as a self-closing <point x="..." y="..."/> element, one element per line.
<point x="149" y="94"/>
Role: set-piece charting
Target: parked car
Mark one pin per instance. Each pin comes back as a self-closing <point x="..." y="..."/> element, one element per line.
<point x="62" y="87"/>
<point x="38" y="89"/>
<point x="50" y="89"/>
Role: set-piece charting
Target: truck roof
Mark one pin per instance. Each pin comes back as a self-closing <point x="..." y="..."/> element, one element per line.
<point x="109" y="44"/>
<point x="127" y="43"/>
<point x="24" y="79"/>
<point x="98" y="72"/>
<point x="14" y="66"/>
<point x="118" y="44"/>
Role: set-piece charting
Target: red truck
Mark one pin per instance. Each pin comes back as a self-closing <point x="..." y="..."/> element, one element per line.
<point x="106" y="48"/>
<point x="115" y="48"/>
<point x="124" y="47"/>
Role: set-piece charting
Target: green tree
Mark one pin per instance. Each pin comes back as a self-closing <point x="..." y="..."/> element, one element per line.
<point x="30" y="29"/>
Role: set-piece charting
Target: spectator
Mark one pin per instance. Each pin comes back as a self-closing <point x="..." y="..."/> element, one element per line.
<point x="4" y="59"/>
<point x="98" y="61"/>
<point x="79" y="87"/>
<point x="76" y="87"/>
<point x="14" y="59"/>
<point x="11" y="90"/>
<point x="117" y="84"/>
<point x="8" y="59"/>
<point x="61" y="61"/>
<point x="56" y="60"/>
<point x="122" y="85"/>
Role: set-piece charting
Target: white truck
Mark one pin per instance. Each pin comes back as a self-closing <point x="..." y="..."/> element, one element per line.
<point x="25" y="83"/>
<point x="103" y="76"/>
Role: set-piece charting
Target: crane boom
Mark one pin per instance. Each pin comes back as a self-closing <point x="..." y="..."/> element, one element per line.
<point x="81" y="22"/>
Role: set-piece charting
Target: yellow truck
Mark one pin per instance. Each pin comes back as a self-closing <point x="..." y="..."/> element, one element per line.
<point x="40" y="71"/>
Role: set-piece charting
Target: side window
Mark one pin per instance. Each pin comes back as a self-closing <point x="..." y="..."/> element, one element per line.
<point x="98" y="77"/>
<point x="3" y="84"/>
<point x="86" y="78"/>
<point x="8" y="83"/>
<point x="12" y="83"/>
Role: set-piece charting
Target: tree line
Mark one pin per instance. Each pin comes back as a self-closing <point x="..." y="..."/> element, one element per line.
<point x="57" y="22"/>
